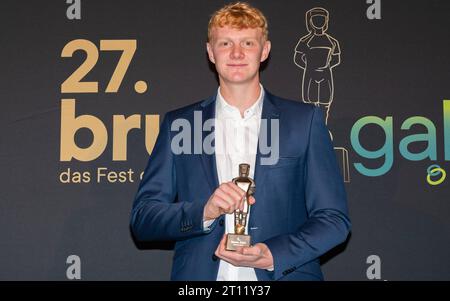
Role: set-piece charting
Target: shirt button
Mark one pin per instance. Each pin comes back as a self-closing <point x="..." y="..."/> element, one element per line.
<point x="221" y="222"/>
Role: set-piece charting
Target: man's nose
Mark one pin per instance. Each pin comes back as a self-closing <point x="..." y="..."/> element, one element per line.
<point x="237" y="52"/>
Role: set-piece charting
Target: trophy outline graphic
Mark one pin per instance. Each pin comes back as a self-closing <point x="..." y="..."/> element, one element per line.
<point x="317" y="53"/>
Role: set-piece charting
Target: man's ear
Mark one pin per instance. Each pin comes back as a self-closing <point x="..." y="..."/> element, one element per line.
<point x="210" y="53"/>
<point x="266" y="50"/>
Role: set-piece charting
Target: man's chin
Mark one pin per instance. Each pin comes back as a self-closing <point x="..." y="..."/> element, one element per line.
<point x="238" y="79"/>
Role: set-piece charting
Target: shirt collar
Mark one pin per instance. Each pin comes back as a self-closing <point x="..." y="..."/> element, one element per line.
<point x="225" y="107"/>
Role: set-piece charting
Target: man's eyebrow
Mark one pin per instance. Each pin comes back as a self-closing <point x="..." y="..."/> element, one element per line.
<point x="241" y="38"/>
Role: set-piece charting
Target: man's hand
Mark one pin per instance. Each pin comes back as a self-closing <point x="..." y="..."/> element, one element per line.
<point x="226" y="199"/>
<point x="257" y="256"/>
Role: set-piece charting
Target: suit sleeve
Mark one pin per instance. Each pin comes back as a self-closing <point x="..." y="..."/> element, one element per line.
<point x="156" y="214"/>
<point x="328" y="223"/>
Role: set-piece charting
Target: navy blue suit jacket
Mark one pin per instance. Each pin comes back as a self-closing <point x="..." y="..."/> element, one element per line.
<point x="300" y="211"/>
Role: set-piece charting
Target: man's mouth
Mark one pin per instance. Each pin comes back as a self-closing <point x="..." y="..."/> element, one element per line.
<point x="236" y="65"/>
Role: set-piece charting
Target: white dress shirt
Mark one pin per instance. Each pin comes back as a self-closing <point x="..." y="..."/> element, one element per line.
<point x="236" y="140"/>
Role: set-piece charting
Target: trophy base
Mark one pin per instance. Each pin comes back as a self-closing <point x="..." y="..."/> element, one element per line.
<point x="237" y="240"/>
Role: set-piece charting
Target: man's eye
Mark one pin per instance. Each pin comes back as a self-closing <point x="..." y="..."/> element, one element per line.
<point x="248" y="43"/>
<point x="225" y="43"/>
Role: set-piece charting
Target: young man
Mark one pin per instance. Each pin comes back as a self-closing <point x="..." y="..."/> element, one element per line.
<point x="299" y="209"/>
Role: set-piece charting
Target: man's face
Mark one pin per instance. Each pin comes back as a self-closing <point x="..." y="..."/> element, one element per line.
<point x="237" y="54"/>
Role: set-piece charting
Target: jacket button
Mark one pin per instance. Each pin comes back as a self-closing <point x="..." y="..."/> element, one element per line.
<point x="221" y="222"/>
<point x="214" y="257"/>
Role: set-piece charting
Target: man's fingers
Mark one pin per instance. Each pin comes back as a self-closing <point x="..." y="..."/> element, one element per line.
<point x="228" y="198"/>
<point x="222" y="241"/>
<point x="224" y="207"/>
<point x="221" y="247"/>
<point x="241" y="204"/>
<point x="230" y="193"/>
<point x="232" y="189"/>
<point x="236" y="189"/>
<point x="251" y="201"/>
<point x="239" y="250"/>
<point x="253" y="251"/>
<point x="230" y="205"/>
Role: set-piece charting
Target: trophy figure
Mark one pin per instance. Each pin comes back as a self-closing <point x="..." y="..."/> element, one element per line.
<point x="239" y="238"/>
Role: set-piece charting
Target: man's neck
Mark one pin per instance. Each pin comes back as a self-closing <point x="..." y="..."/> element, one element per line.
<point x="241" y="96"/>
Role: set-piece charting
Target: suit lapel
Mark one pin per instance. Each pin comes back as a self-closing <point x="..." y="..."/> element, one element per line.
<point x="209" y="161"/>
<point x="269" y="112"/>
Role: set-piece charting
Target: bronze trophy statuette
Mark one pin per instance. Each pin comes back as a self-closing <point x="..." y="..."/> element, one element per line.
<point x="239" y="238"/>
